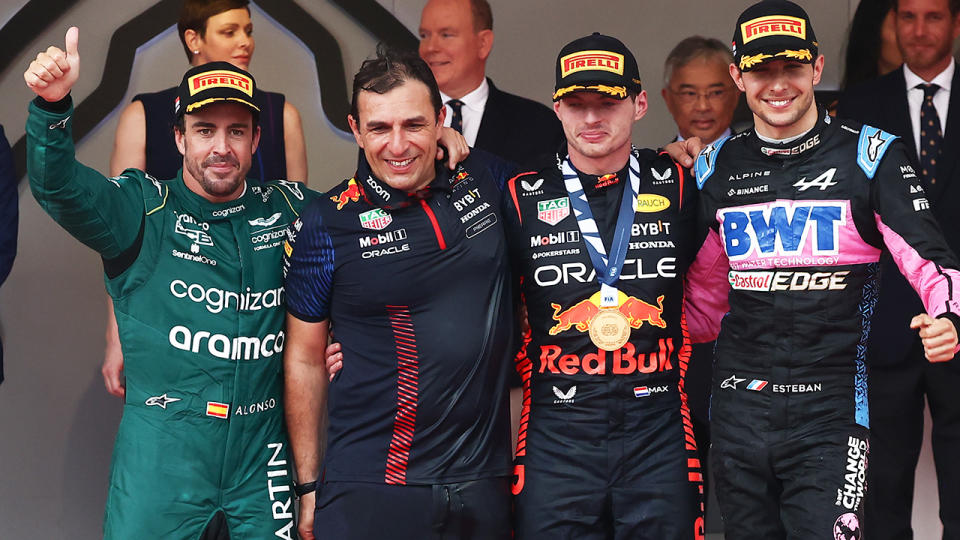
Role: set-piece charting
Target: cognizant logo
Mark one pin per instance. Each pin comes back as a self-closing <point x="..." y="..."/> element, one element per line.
<point x="217" y="300"/>
<point x="221" y="346"/>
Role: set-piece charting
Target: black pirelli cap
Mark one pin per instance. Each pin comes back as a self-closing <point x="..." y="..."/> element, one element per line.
<point x="214" y="82"/>
<point x="596" y="63"/>
<point x="773" y="30"/>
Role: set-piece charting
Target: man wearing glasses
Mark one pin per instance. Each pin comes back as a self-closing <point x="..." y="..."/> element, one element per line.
<point x="698" y="89"/>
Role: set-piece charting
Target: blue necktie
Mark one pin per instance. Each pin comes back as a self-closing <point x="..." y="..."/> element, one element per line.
<point x="930" y="134"/>
<point x="457" y="121"/>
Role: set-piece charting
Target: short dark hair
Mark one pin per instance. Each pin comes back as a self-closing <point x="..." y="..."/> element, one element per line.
<point x="194" y="15"/>
<point x="954" y="6"/>
<point x="692" y="48"/>
<point x="390" y="69"/>
<point x="482" y="15"/>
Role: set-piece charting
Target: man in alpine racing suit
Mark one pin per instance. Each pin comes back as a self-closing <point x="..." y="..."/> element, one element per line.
<point x="600" y="237"/>
<point x="193" y="266"/>
<point x="799" y="209"/>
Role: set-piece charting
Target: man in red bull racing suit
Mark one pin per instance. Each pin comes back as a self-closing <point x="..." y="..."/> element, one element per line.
<point x="799" y="210"/>
<point x="606" y="449"/>
<point x="194" y="267"/>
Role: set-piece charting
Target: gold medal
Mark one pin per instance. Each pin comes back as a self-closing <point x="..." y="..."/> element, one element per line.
<point x="609" y="329"/>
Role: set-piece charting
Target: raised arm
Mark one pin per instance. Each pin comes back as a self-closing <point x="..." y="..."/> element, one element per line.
<point x="105" y="214"/>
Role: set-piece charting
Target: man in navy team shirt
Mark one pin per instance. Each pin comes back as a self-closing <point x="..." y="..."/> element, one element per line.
<point x="407" y="261"/>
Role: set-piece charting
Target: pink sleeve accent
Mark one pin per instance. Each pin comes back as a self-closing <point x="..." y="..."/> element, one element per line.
<point x="935" y="284"/>
<point x="707" y="288"/>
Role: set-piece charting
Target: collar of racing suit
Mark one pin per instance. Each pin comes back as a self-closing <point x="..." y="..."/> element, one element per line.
<point x="796" y="146"/>
<point x="378" y="193"/>
<point x="207" y="210"/>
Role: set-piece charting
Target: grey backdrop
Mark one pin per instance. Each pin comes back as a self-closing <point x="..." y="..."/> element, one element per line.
<point x="56" y="421"/>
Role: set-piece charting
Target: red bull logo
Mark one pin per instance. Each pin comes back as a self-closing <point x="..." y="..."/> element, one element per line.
<point x="624" y="361"/>
<point x="607" y="180"/>
<point x="582" y="313"/>
<point x="352" y="193"/>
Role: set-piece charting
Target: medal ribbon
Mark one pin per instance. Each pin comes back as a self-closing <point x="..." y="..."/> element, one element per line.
<point x="608" y="269"/>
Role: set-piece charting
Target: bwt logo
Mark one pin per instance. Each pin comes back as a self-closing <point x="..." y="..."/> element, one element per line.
<point x="782" y="228"/>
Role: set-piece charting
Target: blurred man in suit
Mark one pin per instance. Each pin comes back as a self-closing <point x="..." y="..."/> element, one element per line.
<point x="701" y="98"/>
<point x="9" y="216"/>
<point x="916" y="102"/>
<point x="456" y="37"/>
<point x="698" y="89"/>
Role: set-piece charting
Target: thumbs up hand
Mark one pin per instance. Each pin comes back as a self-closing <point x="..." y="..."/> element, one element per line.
<point x="54" y="72"/>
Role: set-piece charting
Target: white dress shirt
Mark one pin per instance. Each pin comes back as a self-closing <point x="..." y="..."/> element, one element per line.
<point x="726" y="133"/>
<point x="941" y="100"/>
<point x="472" y="110"/>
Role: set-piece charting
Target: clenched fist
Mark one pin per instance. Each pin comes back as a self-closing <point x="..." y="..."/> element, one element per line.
<point x="938" y="335"/>
<point x="54" y="72"/>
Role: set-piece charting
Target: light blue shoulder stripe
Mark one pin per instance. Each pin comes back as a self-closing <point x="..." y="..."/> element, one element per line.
<point x="873" y="143"/>
<point x="707" y="161"/>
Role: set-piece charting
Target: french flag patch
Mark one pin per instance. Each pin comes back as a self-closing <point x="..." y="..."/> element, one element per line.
<point x="757" y="385"/>
<point x="641" y="391"/>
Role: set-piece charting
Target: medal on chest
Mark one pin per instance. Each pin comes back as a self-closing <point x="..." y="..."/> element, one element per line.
<point x="609" y="329"/>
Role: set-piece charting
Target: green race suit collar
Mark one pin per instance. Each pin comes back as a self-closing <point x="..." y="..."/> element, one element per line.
<point x="204" y="209"/>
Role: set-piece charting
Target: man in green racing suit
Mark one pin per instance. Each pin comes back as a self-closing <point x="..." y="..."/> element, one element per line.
<point x="193" y="266"/>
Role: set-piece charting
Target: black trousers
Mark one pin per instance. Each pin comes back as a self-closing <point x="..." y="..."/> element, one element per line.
<point x="896" y="395"/>
<point x="473" y="510"/>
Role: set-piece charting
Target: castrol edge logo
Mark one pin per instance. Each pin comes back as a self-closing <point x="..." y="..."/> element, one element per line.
<point x="220" y="79"/>
<point x="589" y="60"/>
<point x="773" y="25"/>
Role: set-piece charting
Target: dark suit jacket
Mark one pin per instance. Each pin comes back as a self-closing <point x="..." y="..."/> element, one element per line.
<point x="517" y="129"/>
<point x="883" y="103"/>
<point x="8" y="216"/>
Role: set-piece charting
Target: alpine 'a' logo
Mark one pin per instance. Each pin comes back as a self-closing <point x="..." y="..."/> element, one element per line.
<point x="823" y="181"/>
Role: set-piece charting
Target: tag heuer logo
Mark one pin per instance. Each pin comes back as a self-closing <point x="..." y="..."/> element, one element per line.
<point x="375" y="219"/>
<point x="553" y="211"/>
